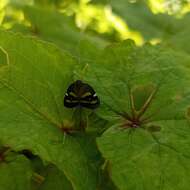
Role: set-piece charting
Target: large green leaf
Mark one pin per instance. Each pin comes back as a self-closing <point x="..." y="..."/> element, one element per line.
<point x="151" y="82"/>
<point x="31" y="106"/>
<point x="140" y="160"/>
<point x="146" y="91"/>
<point x="15" y="174"/>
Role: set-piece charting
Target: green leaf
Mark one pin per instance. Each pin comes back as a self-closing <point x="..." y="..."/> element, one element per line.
<point x="150" y="83"/>
<point x="55" y="179"/>
<point x="141" y="160"/>
<point x="180" y="39"/>
<point x="31" y="107"/>
<point x="4" y="58"/>
<point x="15" y="174"/>
<point x="145" y="93"/>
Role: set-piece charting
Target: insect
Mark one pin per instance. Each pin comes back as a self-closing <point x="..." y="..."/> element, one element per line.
<point x="81" y="94"/>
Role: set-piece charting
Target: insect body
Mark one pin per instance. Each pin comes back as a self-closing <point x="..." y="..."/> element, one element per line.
<point x="80" y="94"/>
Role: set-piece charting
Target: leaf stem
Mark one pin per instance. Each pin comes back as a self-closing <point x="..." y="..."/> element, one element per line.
<point x="146" y="104"/>
<point x="122" y="114"/>
<point x="38" y="178"/>
<point x="132" y="103"/>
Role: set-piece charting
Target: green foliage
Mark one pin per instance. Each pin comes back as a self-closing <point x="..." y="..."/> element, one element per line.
<point x="16" y="173"/>
<point x="62" y="32"/>
<point x="54" y="179"/>
<point x="138" y="138"/>
<point x="142" y="89"/>
<point x="34" y="99"/>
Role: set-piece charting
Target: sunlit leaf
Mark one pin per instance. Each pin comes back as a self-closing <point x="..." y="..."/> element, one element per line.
<point x="62" y="32"/>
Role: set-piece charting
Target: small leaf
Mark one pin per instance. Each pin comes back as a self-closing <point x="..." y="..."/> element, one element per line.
<point x="16" y="174"/>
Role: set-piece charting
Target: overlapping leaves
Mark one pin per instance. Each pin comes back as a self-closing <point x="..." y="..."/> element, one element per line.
<point x="144" y="93"/>
<point x="147" y="91"/>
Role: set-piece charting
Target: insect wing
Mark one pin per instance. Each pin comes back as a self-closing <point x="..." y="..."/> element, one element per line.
<point x="89" y="99"/>
<point x="70" y="99"/>
<point x="69" y="102"/>
<point x="93" y="103"/>
<point x="81" y="94"/>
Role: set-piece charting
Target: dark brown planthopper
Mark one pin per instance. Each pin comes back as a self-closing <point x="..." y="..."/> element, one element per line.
<point x="80" y="94"/>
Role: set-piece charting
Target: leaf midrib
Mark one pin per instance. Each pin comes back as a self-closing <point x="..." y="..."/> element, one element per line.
<point x="29" y="103"/>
